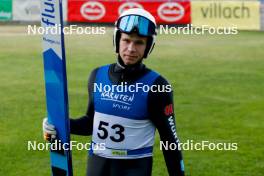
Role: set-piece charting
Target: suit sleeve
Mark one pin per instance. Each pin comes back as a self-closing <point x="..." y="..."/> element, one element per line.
<point x="84" y="124"/>
<point x="162" y="115"/>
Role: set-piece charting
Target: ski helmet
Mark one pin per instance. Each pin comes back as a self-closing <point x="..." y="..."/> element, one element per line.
<point x="136" y="20"/>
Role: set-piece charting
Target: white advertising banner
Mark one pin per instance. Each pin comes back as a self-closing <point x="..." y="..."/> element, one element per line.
<point x="64" y="9"/>
<point x="26" y="10"/>
<point x="29" y="10"/>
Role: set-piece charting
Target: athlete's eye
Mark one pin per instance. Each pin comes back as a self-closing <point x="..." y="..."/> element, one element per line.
<point x="125" y="40"/>
<point x="139" y="42"/>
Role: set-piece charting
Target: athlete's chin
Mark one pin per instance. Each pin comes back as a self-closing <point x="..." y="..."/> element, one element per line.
<point x="130" y="60"/>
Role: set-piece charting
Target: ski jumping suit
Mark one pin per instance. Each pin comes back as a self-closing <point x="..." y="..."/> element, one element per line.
<point x="125" y="121"/>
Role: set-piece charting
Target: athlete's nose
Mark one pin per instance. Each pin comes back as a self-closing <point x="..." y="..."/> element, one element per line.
<point x="131" y="47"/>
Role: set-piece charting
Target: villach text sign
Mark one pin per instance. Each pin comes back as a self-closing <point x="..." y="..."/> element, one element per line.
<point x="5" y="10"/>
<point x="242" y="14"/>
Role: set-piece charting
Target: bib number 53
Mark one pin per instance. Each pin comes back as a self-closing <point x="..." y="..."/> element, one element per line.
<point x="103" y="129"/>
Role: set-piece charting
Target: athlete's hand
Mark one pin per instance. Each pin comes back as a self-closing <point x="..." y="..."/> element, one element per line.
<point x="49" y="132"/>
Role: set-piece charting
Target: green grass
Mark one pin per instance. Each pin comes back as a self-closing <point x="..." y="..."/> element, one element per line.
<point x="218" y="86"/>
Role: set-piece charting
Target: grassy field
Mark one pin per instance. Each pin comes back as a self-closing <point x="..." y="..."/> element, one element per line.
<point x="218" y="86"/>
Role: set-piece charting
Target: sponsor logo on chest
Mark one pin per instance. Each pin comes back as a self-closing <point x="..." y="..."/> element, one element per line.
<point x="119" y="100"/>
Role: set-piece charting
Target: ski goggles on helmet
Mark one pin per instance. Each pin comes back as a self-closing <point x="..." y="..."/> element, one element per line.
<point x="135" y="23"/>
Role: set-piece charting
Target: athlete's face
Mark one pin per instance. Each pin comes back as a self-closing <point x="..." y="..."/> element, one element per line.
<point x="132" y="48"/>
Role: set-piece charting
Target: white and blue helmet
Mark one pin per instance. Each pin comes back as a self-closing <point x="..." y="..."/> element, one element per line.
<point x="136" y="20"/>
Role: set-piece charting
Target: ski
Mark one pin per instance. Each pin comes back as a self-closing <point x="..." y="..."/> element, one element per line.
<point x="56" y="84"/>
